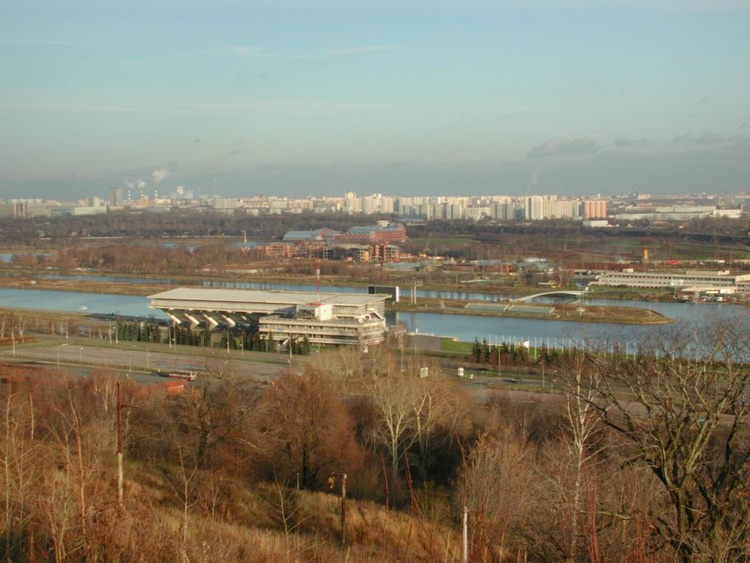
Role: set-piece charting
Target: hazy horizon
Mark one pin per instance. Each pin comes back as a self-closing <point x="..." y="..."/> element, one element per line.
<point x="569" y="97"/>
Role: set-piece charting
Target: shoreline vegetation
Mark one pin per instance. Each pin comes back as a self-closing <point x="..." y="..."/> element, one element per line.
<point x="578" y="311"/>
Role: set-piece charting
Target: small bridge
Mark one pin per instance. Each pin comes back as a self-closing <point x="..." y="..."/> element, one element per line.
<point x="550" y="293"/>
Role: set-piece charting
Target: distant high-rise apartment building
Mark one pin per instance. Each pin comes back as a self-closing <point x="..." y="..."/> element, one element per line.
<point x="351" y="203"/>
<point x="372" y="204"/>
<point x="595" y="209"/>
<point x="555" y="209"/>
<point x="115" y="197"/>
<point x="534" y="208"/>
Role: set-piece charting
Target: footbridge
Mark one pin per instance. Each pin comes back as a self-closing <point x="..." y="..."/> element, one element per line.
<point x="550" y="293"/>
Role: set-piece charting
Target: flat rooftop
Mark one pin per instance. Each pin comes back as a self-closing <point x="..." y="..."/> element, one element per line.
<point x="269" y="297"/>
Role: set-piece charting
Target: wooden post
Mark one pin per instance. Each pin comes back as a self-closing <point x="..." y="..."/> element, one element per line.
<point x="343" y="509"/>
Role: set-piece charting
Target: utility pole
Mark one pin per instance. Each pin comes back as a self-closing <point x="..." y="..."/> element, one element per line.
<point x="331" y="485"/>
<point x="290" y="341"/>
<point x="343" y="509"/>
<point x="119" y="445"/>
<point x="120" y="406"/>
<point x="465" y="537"/>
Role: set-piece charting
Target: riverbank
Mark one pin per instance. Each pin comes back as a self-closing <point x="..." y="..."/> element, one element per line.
<point x="579" y="313"/>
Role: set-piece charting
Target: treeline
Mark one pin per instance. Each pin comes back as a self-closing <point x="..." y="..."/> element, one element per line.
<point x="232" y="339"/>
<point x="177" y="223"/>
<point x="516" y="354"/>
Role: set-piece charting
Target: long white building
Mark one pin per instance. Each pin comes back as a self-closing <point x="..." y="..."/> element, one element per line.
<point x="698" y="278"/>
<point x="324" y="318"/>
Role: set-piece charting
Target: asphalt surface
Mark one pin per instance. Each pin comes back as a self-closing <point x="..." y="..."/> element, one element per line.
<point x="141" y="361"/>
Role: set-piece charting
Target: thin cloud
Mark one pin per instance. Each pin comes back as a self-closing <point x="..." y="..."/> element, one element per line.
<point x="742" y="144"/>
<point x="710" y="138"/>
<point x="171" y="57"/>
<point x="627" y="142"/>
<point x="705" y="138"/>
<point x="234" y="108"/>
<point x="37" y="42"/>
<point x="253" y="51"/>
<point x="564" y="147"/>
<point x="704" y="100"/>
<point x="359" y="50"/>
<point x="684" y="138"/>
<point x="105" y="108"/>
<point x="244" y="50"/>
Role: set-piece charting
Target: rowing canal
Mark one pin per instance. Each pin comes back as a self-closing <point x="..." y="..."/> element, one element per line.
<point x="462" y="327"/>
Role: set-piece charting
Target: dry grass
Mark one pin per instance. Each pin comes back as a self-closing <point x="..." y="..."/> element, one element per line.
<point x="251" y="526"/>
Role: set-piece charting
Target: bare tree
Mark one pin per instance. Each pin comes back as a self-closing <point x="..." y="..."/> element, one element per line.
<point x="211" y="413"/>
<point x="22" y="462"/>
<point x="493" y="485"/>
<point x="681" y="410"/>
<point x="580" y="384"/>
<point x="441" y="416"/>
<point x="394" y="399"/>
<point x="308" y="432"/>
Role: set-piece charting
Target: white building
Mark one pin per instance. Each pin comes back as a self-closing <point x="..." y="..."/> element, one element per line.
<point x="673" y="279"/>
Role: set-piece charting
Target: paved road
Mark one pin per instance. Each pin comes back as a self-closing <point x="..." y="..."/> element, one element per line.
<point x="140" y="361"/>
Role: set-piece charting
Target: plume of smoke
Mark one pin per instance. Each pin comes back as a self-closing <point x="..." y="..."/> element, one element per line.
<point x="159" y="175"/>
<point x="141" y="184"/>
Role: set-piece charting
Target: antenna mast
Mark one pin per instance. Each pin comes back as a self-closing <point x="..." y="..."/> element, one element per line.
<point x="317" y="276"/>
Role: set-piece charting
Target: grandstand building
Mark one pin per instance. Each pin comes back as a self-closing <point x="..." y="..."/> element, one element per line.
<point x="324" y="318"/>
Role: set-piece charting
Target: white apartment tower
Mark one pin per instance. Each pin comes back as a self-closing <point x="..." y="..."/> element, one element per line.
<point x="115" y="197"/>
<point x="534" y="208"/>
<point x="351" y="203"/>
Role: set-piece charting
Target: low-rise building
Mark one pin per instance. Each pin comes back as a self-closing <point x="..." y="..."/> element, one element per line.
<point x="696" y="278"/>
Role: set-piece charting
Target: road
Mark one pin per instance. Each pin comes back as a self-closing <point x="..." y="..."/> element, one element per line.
<point x="140" y="360"/>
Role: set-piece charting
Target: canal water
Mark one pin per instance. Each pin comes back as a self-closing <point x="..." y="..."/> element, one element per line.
<point x="462" y="327"/>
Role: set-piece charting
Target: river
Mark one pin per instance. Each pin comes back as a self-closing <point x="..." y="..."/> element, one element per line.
<point x="462" y="327"/>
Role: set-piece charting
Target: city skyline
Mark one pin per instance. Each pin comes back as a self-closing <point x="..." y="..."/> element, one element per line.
<point x="319" y="98"/>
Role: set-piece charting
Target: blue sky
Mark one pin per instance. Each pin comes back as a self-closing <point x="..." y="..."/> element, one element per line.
<point x="411" y="97"/>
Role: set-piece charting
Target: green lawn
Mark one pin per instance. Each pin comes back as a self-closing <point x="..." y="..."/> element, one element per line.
<point x="455" y="347"/>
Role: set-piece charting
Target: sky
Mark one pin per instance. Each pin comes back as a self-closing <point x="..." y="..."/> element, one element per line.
<point x="411" y="97"/>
